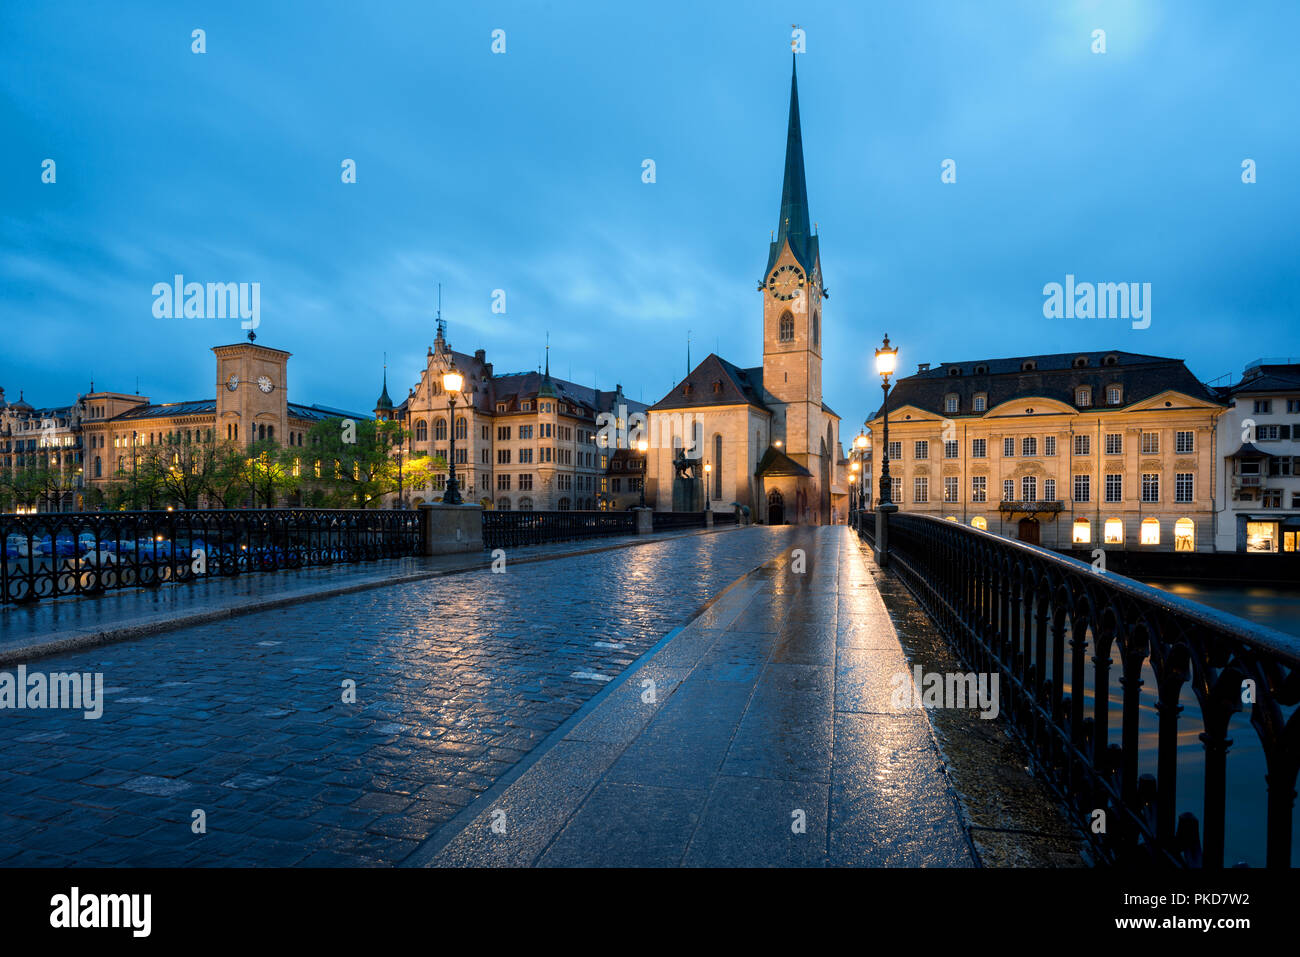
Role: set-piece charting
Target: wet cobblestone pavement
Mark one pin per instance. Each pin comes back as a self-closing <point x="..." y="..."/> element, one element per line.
<point x="457" y="679"/>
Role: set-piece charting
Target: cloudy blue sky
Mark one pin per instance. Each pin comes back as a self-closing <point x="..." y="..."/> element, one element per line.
<point x="522" y="172"/>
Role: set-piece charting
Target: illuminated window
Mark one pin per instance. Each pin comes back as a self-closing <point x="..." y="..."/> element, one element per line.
<point x="1184" y="535"/>
<point x="1150" y="531"/>
<point x="1261" y="536"/>
<point x="1082" y="532"/>
<point x="1114" y="531"/>
<point x="980" y="522"/>
<point x="952" y="518"/>
<point x="1288" y="540"/>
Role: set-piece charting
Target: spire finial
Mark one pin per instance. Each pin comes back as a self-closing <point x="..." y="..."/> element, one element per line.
<point x="548" y="354"/>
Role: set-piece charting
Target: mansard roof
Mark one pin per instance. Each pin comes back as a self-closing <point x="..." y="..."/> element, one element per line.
<point x="1057" y="376"/>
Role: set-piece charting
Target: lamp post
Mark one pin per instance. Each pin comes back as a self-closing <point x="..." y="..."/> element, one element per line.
<point x="708" y="468"/>
<point x="643" y="446"/>
<point x="860" y="446"/>
<point x="452" y="381"/>
<point x="886" y="362"/>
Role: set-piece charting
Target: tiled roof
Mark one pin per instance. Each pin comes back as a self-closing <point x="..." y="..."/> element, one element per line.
<point x="1053" y="377"/>
<point x="715" y="381"/>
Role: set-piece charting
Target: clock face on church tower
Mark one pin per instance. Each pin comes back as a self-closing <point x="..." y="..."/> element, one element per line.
<point x="786" y="282"/>
<point x="264" y="383"/>
<point x="233" y="382"/>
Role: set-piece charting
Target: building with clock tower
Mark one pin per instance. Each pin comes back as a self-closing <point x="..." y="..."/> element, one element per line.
<point x="762" y="436"/>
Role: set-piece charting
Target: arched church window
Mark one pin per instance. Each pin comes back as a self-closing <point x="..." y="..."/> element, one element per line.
<point x="717" y="466"/>
<point x="462" y="427"/>
<point x="440" y="429"/>
<point x="817" y="328"/>
<point x="421" y="430"/>
<point x="787" y="327"/>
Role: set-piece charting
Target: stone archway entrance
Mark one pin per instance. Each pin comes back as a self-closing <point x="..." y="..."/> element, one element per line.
<point x="1027" y="531"/>
<point x="775" y="508"/>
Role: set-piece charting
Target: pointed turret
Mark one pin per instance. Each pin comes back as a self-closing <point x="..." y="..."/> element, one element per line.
<point x="384" y="405"/>
<point x="793" y="224"/>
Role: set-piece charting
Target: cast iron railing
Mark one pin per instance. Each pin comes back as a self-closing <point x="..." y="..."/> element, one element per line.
<point x="1050" y="627"/>
<point x="664" y="521"/>
<point x="508" y="529"/>
<point x="47" y="555"/>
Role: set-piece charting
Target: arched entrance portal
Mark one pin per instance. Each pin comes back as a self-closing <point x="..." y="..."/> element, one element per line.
<point x="1028" y="531"/>
<point x="775" y="508"/>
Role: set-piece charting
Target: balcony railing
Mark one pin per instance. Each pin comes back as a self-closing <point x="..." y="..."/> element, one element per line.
<point x="1051" y="628"/>
<point x="1023" y="505"/>
<point x="50" y="554"/>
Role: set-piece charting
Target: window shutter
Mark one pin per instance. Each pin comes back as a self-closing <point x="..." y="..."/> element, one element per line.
<point x="1286" y="431"/>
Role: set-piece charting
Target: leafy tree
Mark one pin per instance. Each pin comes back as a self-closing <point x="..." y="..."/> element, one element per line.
<point x="354" y="462"/>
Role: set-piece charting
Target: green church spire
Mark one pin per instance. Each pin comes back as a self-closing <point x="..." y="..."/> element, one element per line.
<point x="793" y="224"/>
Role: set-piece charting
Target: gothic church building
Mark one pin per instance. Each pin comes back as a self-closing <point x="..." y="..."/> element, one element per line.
<point x="766" y="437"/>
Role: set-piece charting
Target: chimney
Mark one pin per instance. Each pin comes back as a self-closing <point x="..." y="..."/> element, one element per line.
<point x="923" y="367"/>
<point x="480" y="355"/>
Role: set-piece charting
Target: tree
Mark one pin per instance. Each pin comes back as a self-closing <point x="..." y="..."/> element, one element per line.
<point x="272" y="471"/>
<point x="353" y="463"/>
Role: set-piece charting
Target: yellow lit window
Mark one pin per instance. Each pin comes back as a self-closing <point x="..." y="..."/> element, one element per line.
<point x="1082" y="531"/>
<point x="1288" y="541"/>
<point x="1150" y="531"/>
<point x="952" y="518"/>
<point x="980" y="522"/>
<point x="1114" y="531"/>
<point x="1184" y="535"/>
<point x="1261" y="536"/>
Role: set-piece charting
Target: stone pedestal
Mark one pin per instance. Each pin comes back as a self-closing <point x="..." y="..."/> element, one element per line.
<point x="645" y="523"/>
<point x="882" y="533"/>
<point x="708" y="519"/>
<point x="450" y="529"/>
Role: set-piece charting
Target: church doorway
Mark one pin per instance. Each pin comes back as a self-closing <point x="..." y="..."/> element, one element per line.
<point x="775" y="508"/>
<point x="1028" y="531"/>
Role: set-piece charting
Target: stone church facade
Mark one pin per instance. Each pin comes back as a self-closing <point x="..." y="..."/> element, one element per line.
<point x="762" y="437"/>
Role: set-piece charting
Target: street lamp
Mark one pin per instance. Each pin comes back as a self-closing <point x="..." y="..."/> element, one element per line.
<point x="643" y="446"/>
<point x="886" y="362"/>
<point x="708" y="468"/>
<point x="860" y="446"/>
<point x="452" y="381"/>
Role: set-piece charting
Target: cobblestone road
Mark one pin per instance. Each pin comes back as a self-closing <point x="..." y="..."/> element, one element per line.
<point x="456" y="680"/>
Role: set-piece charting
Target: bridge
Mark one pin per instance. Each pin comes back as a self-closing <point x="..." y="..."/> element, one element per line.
<point x="337" y="688"/>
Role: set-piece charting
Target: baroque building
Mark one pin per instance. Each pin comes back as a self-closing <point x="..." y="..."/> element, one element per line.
<point x="1071" y="451"/>
<point x="761" y="437"/>
<point x="524" y="440"/>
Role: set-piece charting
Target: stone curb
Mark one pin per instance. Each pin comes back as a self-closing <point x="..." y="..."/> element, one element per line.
<point x="599" y="731"/>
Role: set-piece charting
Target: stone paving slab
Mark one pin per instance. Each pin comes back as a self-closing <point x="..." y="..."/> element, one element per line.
<point x="768" y="741"/>
<point x="72" y="622"/>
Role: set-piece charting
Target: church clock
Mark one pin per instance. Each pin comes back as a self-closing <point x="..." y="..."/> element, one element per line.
<point x="786" y="282"/>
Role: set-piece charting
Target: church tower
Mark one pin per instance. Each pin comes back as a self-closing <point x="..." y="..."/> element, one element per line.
<point x="792" y="305"/>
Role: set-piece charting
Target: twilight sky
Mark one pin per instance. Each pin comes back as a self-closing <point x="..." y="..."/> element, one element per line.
<point x="522" y="172"/>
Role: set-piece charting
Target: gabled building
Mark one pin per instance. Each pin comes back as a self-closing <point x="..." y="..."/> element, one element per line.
<point x="524" y="441"/>
<point x="1259" y="465"/>
<point x="761" y="436"/>
<point x="1071" y="451"/>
